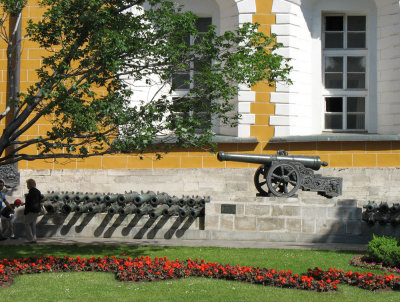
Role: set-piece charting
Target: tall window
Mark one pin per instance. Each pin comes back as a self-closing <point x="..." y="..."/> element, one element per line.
<point x="180" y="80"/>
<point x="345" y="72"/>
<point x="184" y="80"/>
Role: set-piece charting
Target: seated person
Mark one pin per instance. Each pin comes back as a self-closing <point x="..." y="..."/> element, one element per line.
<point x="7" y="217"/>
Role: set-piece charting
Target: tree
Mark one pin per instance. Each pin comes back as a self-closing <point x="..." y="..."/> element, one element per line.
<point x="102" y="43"/>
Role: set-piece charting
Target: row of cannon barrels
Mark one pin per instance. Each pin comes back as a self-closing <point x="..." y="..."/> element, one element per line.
<point x="149" y="203"/>
<point x="382" y="213"/>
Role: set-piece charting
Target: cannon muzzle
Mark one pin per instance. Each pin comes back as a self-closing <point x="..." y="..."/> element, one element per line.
<point x="99" y="208"/>
<point x="196" y="212"/>
<point x="114" y="208"/>
<point x="371" y="206"/>
<point x="129" y="209"/>
<point x="69" y="207"/>
<point x="184" y="212"/>
<point x="158" y="211"/>
<point x="312" y="162"/>
<point x="83" y="207"/>
<point x="53" y="206"/>
<point x="149" y="196"/>
<point x="173" y="210"/>
<point x="145" y="209"/>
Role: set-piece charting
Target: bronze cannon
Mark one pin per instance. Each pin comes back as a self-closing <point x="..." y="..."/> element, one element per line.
<point x="283" y="174"/>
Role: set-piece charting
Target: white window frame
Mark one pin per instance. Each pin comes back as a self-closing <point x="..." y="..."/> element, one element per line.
<point x="345" y="92"/>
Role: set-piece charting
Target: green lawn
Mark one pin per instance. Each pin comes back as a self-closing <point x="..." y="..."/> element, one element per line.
<point x="90" y="286"/>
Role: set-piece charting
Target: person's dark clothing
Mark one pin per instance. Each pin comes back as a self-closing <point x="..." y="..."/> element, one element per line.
<point x="6" y="212"/>
<point x="32" y="201"/>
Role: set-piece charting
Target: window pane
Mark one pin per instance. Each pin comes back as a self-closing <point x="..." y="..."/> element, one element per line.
<point x="356" y="23"/>
<point x="355" y="104"/>
<point x="356" y="40"/>
<point x="355" y="80"/>
<point x="334" y="64"/>
<point x="356" y="64"/>
<point x="334" y="23"/>
<point x="356" y="121"/>
<point x="333" y="121"/>
<point x="178" y="81"/>
<point x="202" y="24"/>
<point x="333" y="80"/>
<point x="334" y="104"/>
<point x="333" y="40"/>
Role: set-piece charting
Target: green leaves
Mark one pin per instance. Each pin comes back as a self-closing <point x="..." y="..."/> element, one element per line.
<point x="98" y="50"/>
<point x="13" y="7"/>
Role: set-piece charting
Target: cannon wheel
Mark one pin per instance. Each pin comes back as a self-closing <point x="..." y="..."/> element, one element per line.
<point x="260" y="180"/>
<point x="283" y="179"/>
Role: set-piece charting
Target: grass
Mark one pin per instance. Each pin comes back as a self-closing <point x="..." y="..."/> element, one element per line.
<point x="90" y="286"/>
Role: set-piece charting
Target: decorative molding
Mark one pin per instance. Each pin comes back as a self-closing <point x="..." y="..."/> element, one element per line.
<point x="10" y="175"/>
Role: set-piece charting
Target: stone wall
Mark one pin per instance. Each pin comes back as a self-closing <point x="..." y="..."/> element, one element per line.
<point x="234" y="212"/>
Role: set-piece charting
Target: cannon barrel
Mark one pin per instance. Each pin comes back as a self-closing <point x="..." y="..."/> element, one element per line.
<point x="143" y="198"/>
<point x="111" y="198"/>
<point x="196" y="212"/>
<point x="200" y="201"/>
<point x="184" y="212"/>
<point x="78" y="197"/>
<point x="69" y="207"/>
<point x="159" y="211"/>
<point x="173" y="201"/>
<point x="161" y="198"/>
<point x="114" y="208"/>
<point x="53" y="206"/>
<point x="172" y="210"/>
<point x="84" y="207"/>
<point x="97" y="208"/>
<point x="130" y="197"/>
<point x="145" y="209"/>
<point x="128" y="209"/>
<point x="383" y="207"/>
<point x="313" y="162"/>
<point x="395" y="208"/>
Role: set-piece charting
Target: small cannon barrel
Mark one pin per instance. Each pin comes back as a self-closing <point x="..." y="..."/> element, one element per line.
<point x="114" y="208"/>
<point x="53" y="206"/>
<point x="69" y="207"/>
<point x="111" y="198"/>
<point x="172" y="210"/>
<point x="383" y="207"/>
<point x="97" y="208"/>
<point x="184" y="212"/>
<point x="143" y="198"/>
<point x="313" y="162"/>
<point x="145" y="209"/>
<point x="199" y="201"/>
<point x="130" y="197"/>
<point x="161" y="198"/>
<point x="173" y="201"/>
<point x="371" y="206"/>
<point x="128" y="209"/>
<point x="121" y="199"/>
<point x="83" y="207"/>
<point x="78" y="197"/>
<point x="395" y="208"/>
<point x="158" y="211"/>
<point x="196" y="212"/>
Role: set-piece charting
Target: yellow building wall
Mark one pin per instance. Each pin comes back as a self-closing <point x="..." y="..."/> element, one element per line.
<point x="337" y="154"/>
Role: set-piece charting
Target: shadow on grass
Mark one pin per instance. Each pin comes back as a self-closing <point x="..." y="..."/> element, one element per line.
<point x="73" y="250"/>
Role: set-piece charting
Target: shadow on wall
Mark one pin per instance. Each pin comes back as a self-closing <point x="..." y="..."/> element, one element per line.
<point x="344" y="223"/>
<point x="107" y="225"/>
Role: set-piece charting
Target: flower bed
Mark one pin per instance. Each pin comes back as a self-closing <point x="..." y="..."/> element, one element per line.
<point x="146" y="269"/>
<point x="365" y="262"/>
